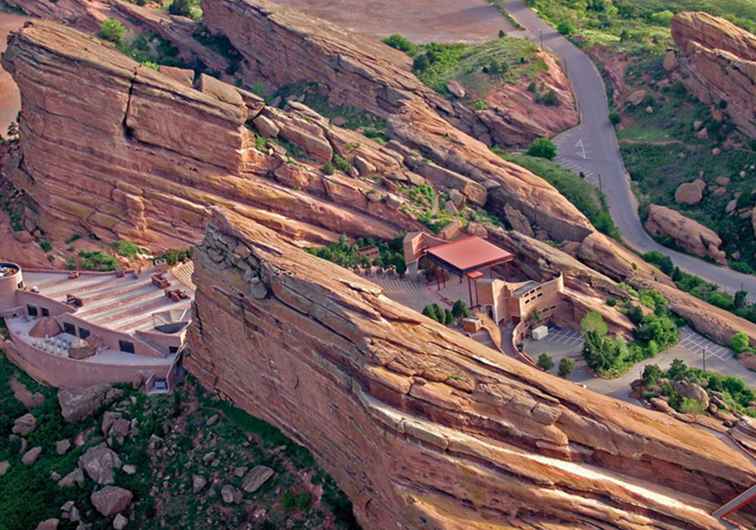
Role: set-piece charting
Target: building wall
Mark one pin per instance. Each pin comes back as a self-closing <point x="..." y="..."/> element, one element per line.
<point x="67" y="373"/>
<point x="8" y="288"/>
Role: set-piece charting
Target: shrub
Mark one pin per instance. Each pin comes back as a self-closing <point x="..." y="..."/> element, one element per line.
<point x="566" y="28"/>
<point x="181" y="8"/>
<point x="651" y="375"/>
<point x="543" y="148"/>
<point x="691" y="406"/>
<point x="615" y="118"/>
<point x="739" y="342"/>
<point x="460" y="309"/>
<point x="401" y="43"/>
<point x="549" y="99"/>
<point x="448" y="317"/>
<point x="342" y="164"/>
<point x="45" y="245"/>
<point x="126" y="249"/>
<point x="112" y="30"/>
<point x="328" y="168"/>
<point x="545" y="362"/>
<point x="479" y="104"/>
<point x="566" y="366"/>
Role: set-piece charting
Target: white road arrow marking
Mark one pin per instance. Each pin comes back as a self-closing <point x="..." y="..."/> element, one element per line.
<point x="581" y="146"/>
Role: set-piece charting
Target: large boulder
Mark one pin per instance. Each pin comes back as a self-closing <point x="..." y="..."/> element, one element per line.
<point x="256" y="477"/>
<point x="687" y="234"/>
<point x="24" y="424"/>
<point x="690" y="192"/>
<point x="77" y="404"/>
<point x="111" y="500"/>
<point x="99" y="462"/>
<point x="693" y="391"/>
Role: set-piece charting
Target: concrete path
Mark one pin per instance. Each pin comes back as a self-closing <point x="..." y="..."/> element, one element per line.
<point x="592" y="148"/>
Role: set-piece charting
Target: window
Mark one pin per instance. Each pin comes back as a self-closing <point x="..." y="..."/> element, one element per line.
<point x="31" y="310"/>
<point x="45" y="312"/>
<point x="126" y="346"/>
<point x="172" y="349"/>
<point x="83" y="333"/>
<point x="69" y="328"/>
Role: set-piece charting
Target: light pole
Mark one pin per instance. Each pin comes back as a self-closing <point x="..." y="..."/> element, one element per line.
<point x="703" y="357"/>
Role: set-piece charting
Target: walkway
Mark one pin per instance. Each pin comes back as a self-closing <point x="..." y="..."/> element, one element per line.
<point x="592" y="148"/>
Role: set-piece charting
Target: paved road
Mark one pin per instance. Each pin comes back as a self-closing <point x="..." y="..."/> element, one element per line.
<point x="592" y="148"/>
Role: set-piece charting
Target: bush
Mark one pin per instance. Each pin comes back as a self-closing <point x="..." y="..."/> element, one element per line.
<point x="126" y="249"/>
<point x="45" y="245"/>
<point x="460" y="309"/>
<point x="342" y="164"/>
<point x="566" y="367"/>
<point x="691" y="406"/>
<point x="479" y="105"/>
<point x="566" y="28"/>
<point x="545" y="362"/>
<point x="328" y="168"/>
<point x="181" y="8"/>
<point x="739" y="342"/>
<point x="112" y="30"/>
<point x="401" y="43"/>
<point x="448" y="317"/>
<point x="543" y="148"/>
<point x="615" y="118"/>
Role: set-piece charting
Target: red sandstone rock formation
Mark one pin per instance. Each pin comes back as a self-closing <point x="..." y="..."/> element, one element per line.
<point x="143" y="155"/>
<point x="693" y="237"/>
<point x="718" y="63"/>
<point x="425" y="428"/>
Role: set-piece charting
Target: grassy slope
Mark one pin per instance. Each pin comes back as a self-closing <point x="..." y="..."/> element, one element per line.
<point x="584" y="196"/>
<point x="28" y="495"/>
<point x="645" y="23"/>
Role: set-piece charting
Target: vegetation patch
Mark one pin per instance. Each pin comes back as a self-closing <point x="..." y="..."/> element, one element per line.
<point x="700" y="288"/>
<point x="351" y="254"/>
<point x="610" y="356"/>
<point x="580" y="193"/>
<point x="92" y="261"/>
<point x="662" y="150"/>
<point x="634" y="26"/>
<point x="478" y="67"/>
<point x="726" y="392"/>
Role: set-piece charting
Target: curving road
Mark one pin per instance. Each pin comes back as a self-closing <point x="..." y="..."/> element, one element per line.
<point x="592" y="148"/>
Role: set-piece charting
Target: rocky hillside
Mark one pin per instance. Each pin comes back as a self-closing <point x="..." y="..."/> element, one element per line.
<point x="102" y="458"/>
<point x="407" y="415"/>
<point x="718" y="62"/>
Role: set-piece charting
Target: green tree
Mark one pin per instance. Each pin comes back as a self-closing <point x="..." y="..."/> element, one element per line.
<point x="448" y="317"/>
<point x="543" y="148"/>
<point x="545" y="362"/>
<point x="401" y="43"/>
<point x="566" y="366"/>
<point x="739" y="342"/>
<point x="741" y="298"/>
<point x="181" y="8"/>
<point x="112" y="30"/>
<point x="615" y="118"/>
<point x="651" y="375"/>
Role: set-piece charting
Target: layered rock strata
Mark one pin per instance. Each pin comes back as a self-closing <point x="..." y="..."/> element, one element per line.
<point x="689" y="235"/>
<point x="717" y="60"/>
<point x="425" y="428"/>
<point x="283" y="47"/>
<point x="144" y="154"/>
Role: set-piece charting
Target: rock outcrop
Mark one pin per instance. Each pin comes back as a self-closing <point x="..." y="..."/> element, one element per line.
<point x="717" y="60"/>
<point x="424" y="427"/>
<point x="283" y="47"/>
<point x="143" y="156"/>
<point x="691" y="236"/>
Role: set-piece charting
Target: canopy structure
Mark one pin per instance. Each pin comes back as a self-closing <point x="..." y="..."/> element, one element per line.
<point x="468" y="257"/>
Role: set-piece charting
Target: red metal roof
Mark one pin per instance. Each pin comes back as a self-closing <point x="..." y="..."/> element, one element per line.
<point x="470" y="253"/>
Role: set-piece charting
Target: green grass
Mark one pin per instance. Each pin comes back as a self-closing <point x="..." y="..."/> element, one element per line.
<point x="584" y="196"/>
<point x="92" y="261"/>
<point x="126" y="249"/>
<point x="661" y="151"/>
<point x="479" y="68"/>
<point x="636" y="25"/>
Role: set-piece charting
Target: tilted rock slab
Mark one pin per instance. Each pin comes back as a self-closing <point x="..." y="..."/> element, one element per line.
<point x="143" y="155"/>
<point x="718" y="60"/>
<point x="423" y="427"/>
<point x="282" y="46"/>
<point x="690" y="235"/>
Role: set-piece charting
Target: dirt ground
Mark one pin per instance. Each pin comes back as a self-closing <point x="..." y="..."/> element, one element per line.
<point x="10" y="103"/>
<point x="418" y="20"/>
